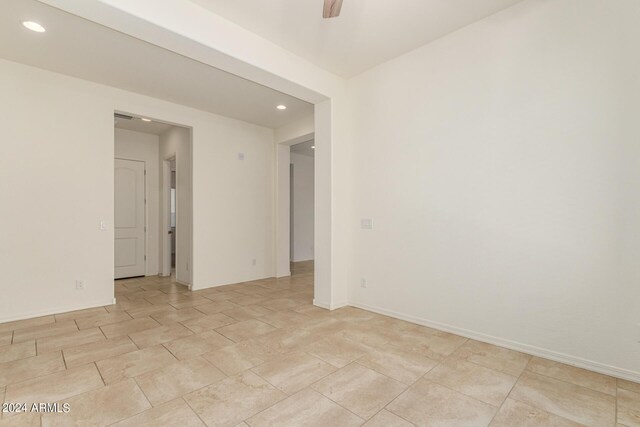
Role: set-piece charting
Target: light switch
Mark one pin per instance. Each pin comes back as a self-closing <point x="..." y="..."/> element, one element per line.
<point x="103" y="225"/>
<point x="366" y="223"/>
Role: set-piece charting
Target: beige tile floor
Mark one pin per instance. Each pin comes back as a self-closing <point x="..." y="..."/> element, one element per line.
<point x="259" y="353"/>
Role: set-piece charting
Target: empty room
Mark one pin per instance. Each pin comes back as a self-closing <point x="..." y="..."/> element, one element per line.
<point x="320" y="213"/>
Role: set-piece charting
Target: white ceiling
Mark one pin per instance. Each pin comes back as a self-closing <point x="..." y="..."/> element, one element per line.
<point x="138" y="125"/>
<point x="367" y="32"/>
<point x="304" y="148"/>
<point x="80" y="48"/>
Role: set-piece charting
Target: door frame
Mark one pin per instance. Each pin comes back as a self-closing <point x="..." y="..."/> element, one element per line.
<point x="166" y="214"/>
<point x="146" y="211"/>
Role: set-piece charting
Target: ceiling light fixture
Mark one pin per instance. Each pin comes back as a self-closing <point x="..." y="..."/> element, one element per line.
<point x="281" y="107"/>
<point x="34" y="26"/>
<point x="145" y="120"/>
<point x="313" y="146"/>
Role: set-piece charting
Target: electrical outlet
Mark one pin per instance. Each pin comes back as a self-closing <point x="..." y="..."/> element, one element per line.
<point x="79" y="285"/>
<point x="366" y="223"/>
<point x="363" y="283"/>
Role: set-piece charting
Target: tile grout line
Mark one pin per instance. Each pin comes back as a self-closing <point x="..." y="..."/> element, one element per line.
<point x="103" y="334"/>
<point x="391" y="412"/>
<point x="193" y="409"/>
<point x="171" y="353"/>
<point x="337" y="403"/>
<point x="447" y="387"/>
<point x="528" y="403"/>
<point x="64" y="360"/>
<point x="573" y="384"/>
<point x="145" y="394"/>
<point x="302" y="389"/>
<point x="100" y="373"/>
<point x="544" y="410"/>
<point x="508" y="396"/>
<point x="438" y="363"/>
<point x="134" y="343"/>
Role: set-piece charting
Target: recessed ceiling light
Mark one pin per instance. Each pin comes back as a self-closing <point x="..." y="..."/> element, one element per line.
<point x="145" y="120"/>
<point x="34" y="26"/>
<point x="281" y="107"/>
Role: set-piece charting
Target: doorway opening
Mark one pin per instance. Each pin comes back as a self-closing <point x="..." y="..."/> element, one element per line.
<point x="152" y="221"/>
<point x="301" y="217"/>
<point x="169" y="215"/>
<point x="296" y="208"/>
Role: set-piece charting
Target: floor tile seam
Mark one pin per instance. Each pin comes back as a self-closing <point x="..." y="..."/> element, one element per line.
<point x="546" y="411"/>
<point x="285" y="395"/>
<point x="170" y="352"/>
<point x="99" y="373"/>
<point x="278" y="388"/>
<point x="389" y="410"/>
<point x="137" y="413"/>
<point x="457" y="392"/>
<point x="310" y="386"/>
<point x="571" y="383"/>
<point x="449" y="388"/>
<point x="37" y="376"/>
<point x="517" y="377"/>
<point x="327" y="397"/>
<point x="513" y="388"/>
<point x="386" y="375"/>
<point x="193" y="410"/>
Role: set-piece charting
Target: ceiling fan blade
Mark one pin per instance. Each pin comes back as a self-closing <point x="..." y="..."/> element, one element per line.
<point x="331" y="8"/>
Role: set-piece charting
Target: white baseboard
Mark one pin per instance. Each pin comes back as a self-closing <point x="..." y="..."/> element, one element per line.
<point x="512" y="345"/>
<point x="287" y="274"/>
<point x="330" y="306"/>
<point x="320" y="304"/>
<point x="58" y="310"/>
<point x="336" y="305"/>
<point x="196" y="287"/>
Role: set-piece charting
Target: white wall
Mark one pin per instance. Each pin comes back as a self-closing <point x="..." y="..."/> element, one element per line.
<point x="56" y="169"/>
<point x="176" y="142"/>
<point x="145" y="147"/>
<point x="501" y="168"/>
<point x="233" y="205"/>
<point x="302" y="213"/>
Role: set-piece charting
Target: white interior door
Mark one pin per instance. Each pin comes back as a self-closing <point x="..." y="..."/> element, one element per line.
<point x="129" y="223"/>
